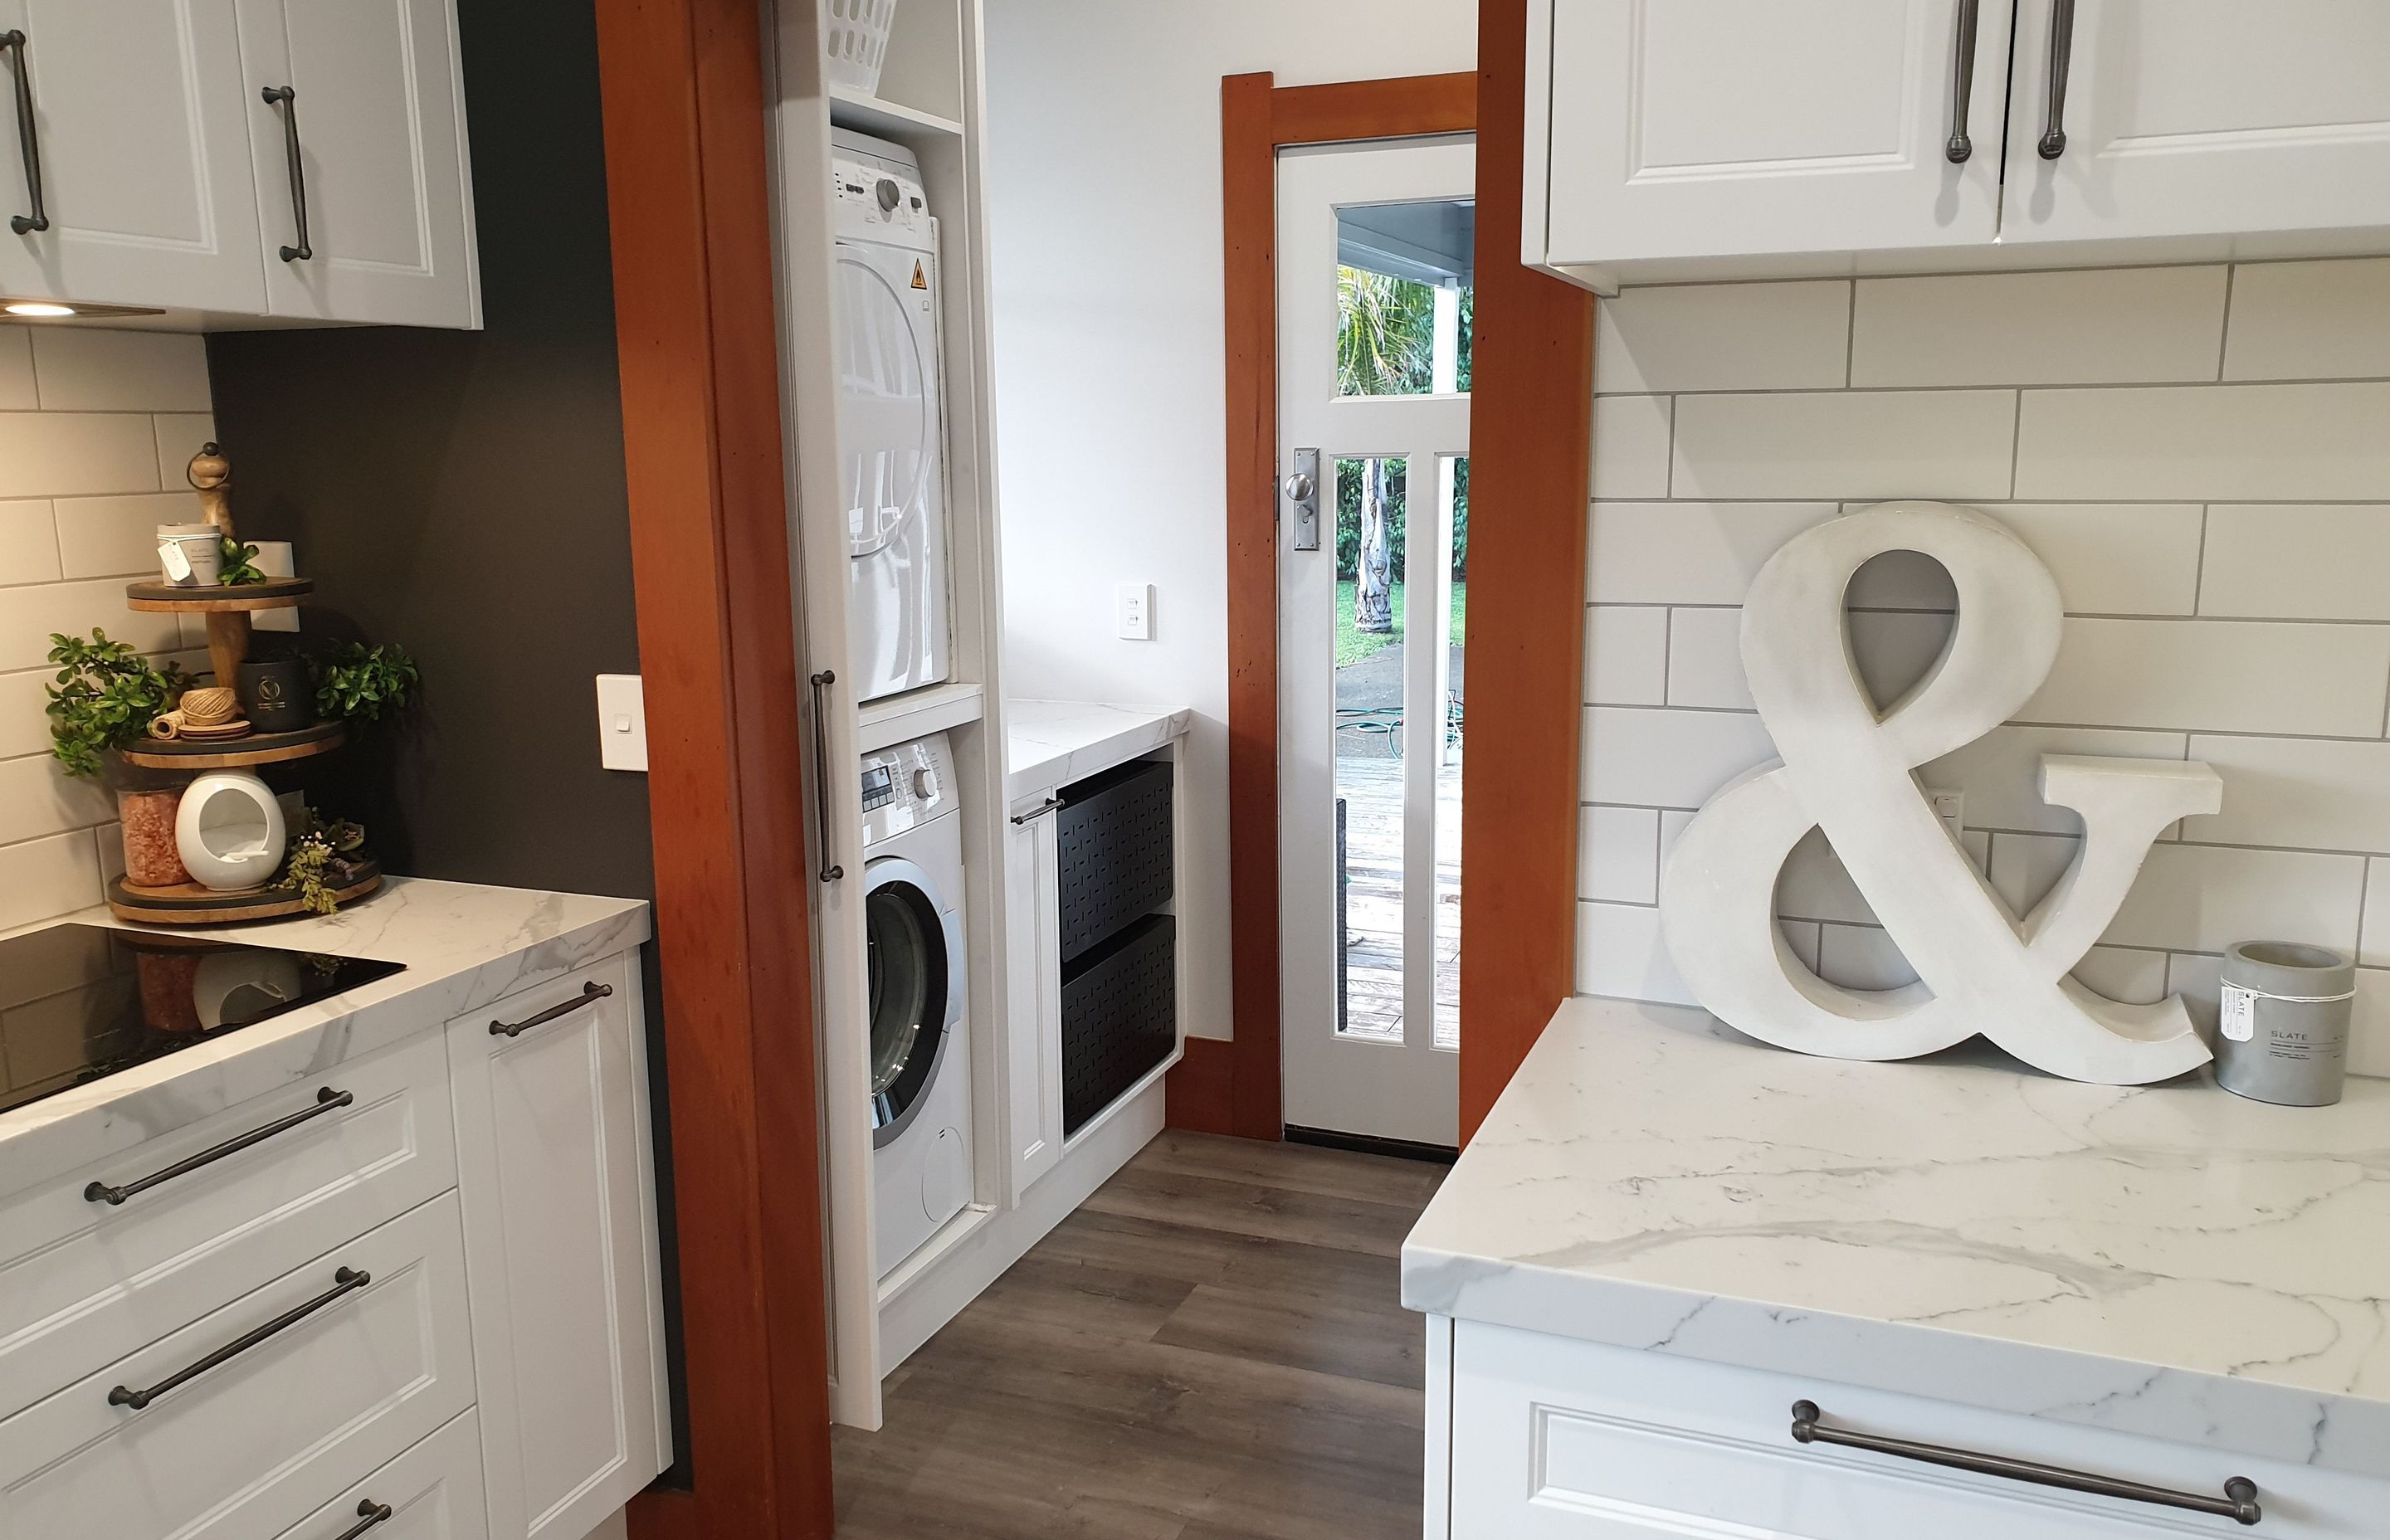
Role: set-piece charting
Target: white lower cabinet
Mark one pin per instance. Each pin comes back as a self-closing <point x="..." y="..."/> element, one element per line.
<point x="1033" y="979"/>
<point x="1550" y="1438"/>
<point x="250" y="1414"/>
<point x="560" y="1226"/>
<point x="433" y="1491"/>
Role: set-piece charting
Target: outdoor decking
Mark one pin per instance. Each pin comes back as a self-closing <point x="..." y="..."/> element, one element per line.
<point x="1372" y="789"/>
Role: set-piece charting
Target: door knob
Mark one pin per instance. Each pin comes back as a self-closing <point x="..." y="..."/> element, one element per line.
<point x="1298" y="488"/>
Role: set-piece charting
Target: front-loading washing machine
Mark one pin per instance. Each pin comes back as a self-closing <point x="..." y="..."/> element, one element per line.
<point x="890" y="428"/>
<point x="921" y="1040"/>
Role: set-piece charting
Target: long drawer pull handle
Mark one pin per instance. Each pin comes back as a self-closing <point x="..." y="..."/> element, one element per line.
<point x="2061" y="56"/>
<point x="590" y="994"/>
<point x="327" y="1099"/>
<point x="370" y="1513"/>
<point x="28" y="138"/>
<point x="347" y="1280"/>
<point x="831" y="870"/>
<point x="1962" y="87"/>
<point x="288" y="99"/>
<point x="1036" y="813"/>
<point x="2239" y="1502"/>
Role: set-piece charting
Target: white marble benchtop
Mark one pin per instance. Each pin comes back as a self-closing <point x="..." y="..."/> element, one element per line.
<point x="464" y="946"/>
<point x="2171" y="1260"/>
<point x="1051" y="743"/>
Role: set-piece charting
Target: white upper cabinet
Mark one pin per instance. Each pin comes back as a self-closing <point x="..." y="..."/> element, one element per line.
<point x="1683" y="139"/>
<point x="1692" y="128"/>
<point x="368" y="142"/>
<point x="2199" y="117"/>
<point x="130" y="112"/>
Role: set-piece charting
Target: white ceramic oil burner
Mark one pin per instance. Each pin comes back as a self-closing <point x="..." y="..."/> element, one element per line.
<point x="229" y="831"/>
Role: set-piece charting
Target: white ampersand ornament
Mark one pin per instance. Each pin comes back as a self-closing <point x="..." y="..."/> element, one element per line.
<point x="1981" y="969"/>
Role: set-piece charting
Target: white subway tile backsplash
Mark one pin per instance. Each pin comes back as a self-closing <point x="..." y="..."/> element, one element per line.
<point x="39" y="798"/>
<point x="117" y="536"/>
<point x="2310" y="320"/>
<point x="2325" y="563"/>
<point x="80" y="369"/>
<point x="1687" y="553"/>
<point x="1619" y="952"/>
<point x="17" y="392"/>
<point x="1815" y="885"/>
<point x="2000" y="772"/>
<point x="1855" y="444"/>
<point x="2205" y="443"/>
<point x="43" y="879"/>
<point x="2124" y="975"/>
<point x="2314" y="794"/>
<point x="1630" y="447"/>
<point x="2025" y="867"/>
<point x="1705" y="660"/>
<point x="2195" y="976"/>
<point x="2083" y="326"/>
<point x="2114" y="558"/>
<point x="2368" y="1024"/>
<point x="1648" y="757"/>
<point x="1723" y="337"/>
<point x="1805" y="939"/>
<point x="2244" y="676"/>
<point x="1625" y="655"/>
<point x="28" y="616"/>
<point x="2204" y="898"/>
<point x="178" y="437"/>
<point x="1861" y="957"/>
<point x="2374" y="940"/>
<point x="24" y="729"/>
<point x="70" y="453"/>
<point x="1616" y="854"/>
<point x="29" y="542"/>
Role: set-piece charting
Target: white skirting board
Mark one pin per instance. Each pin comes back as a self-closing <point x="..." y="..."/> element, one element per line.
<point x="937" y="1295"/>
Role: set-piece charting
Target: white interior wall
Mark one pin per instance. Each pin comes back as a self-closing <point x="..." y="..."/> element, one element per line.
<point x="1103" y="177"/>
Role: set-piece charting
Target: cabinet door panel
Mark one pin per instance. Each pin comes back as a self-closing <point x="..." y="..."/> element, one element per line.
<point x="555" y="1170"/>
<point x="2203" y="117"/>
<point x="1034" y="1015"/>
<point x="1694" y="128"/>
<point x="381" y="144"/>
<point x="144" y="156"/>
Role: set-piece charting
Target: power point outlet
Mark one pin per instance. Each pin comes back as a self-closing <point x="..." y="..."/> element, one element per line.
<point x="1951" y="808"/>
<point x="1136" y="611"/>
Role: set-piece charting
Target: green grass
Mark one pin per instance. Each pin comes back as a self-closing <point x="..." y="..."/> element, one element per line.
<point x="1352" y="646"/>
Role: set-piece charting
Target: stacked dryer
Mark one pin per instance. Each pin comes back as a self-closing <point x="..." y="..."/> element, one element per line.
<point x="891" y="429"/>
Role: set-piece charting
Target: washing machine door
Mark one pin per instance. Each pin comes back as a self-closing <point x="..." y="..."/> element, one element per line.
<point x="915" y="947"/>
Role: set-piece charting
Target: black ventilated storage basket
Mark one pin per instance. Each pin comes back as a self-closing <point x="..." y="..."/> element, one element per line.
<point x="1120" y="1014"/>
<point x="1114" y="833"/>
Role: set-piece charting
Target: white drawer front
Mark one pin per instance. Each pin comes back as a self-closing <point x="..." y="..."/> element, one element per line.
<point x="251" y="1447"/>
<point x="1559" y="1440"/>
<point x="83" y="1282"/>
<point x="433" y="1492"/>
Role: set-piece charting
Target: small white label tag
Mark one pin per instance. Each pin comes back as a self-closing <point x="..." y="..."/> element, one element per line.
<point x="178" y="566"/>
<point x="2240" y="1013"/>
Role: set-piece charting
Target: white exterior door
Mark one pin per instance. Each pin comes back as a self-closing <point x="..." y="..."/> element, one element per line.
<point x="374" y="92"/>
<point x="1376" y="248"/>
<point x="2199" y="117"/>
<point x="138" y="127"/>
<point x="1687" y="128"/>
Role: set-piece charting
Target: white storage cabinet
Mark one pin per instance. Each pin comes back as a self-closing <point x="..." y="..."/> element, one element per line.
<point x="175" y="144"/>
<point x="1727" y="138"/>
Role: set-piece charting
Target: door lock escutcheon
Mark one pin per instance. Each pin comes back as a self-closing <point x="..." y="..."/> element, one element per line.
<point x="1301" y="489"/>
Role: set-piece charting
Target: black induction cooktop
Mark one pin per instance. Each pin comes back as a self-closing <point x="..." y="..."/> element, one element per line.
<point x="81" y="1001"/>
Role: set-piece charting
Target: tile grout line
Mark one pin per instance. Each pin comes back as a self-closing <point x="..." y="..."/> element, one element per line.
<point x="2224" y="329"/>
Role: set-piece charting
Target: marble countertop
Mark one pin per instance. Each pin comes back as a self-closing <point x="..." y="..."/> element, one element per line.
<point x="2171" y="1260"/>
<point x="464" y="947"/>
<point x="1050" y="743"/>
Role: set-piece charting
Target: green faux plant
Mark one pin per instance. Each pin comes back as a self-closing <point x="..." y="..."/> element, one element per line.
<point x="356" y="682"/>
<point x="322" y="858"/>
<point x="104" y="697"/>
<point x="240" y="564"/>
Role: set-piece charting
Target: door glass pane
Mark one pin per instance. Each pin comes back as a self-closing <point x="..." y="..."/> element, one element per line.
<point x="1454" y="489"/>
<point x="1406" y="313"/>
<point x="1369" y="746"/>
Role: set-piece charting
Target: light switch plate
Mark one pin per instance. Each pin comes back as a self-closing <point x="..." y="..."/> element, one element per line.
<point x="621" y="722"/>
<point x="1135" y="604"/>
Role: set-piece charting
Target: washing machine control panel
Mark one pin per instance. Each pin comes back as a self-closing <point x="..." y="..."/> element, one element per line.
<point x="876" y="194"/>
<point x="906" y="786"/>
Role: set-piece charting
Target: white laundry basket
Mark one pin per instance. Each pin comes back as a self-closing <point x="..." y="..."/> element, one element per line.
<point x="855" y="41"/>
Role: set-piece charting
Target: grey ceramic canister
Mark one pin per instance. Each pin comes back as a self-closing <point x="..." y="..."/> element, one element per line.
<point x="2282" y="1028"/>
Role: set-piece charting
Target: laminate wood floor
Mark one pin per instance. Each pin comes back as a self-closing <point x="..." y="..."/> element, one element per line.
<point x="1211" y="1347"/>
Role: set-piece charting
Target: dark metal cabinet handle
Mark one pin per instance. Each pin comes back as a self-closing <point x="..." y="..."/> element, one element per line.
<point x="2061" y="54"/>
<point x="327" y="1099"/>
<point x="370" y="1513"/>
<point x="590" y="994"/>
<point x="346" y="1282"/>
<point x="288" y="98"/>
<point x="1036" y="813"/>
<point x="2239" y="1502"/>
<point x="28" y="136"/>
<point x="1963" y="85"/>
<point x="831" y="870"/>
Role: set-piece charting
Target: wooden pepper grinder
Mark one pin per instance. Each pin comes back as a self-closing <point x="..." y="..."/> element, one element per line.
<point x="211" y="474"/>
